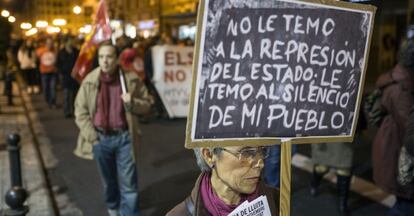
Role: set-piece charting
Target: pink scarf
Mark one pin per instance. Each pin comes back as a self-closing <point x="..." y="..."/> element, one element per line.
<point x="213" y="203"/>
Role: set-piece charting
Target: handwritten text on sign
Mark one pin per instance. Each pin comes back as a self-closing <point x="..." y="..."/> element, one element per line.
<point x="281" y="72"/>
<point x="172" y="77"/>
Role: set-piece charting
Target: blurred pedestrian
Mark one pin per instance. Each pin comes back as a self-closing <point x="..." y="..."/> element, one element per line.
<point x="123" y="42"/>
<point x="66" y="60"/>
<point x="130" y="60"/>
<point x="161" y="112"/>
<point x="106" y="114"/>
<point x="397" y="100"/>
<point x="11" y="70"/>
<point x="27" y="59"/>
<point x="338" y="156"/>
<point x="272" y="166"/>
<point x="48" y="55"/>
<point x="229" y="176"/>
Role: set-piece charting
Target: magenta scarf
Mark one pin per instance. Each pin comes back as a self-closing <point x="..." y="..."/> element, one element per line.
<point x="213" y="203"/>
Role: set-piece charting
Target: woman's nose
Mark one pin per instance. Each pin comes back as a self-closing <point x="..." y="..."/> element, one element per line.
<point x="259" y="163"/>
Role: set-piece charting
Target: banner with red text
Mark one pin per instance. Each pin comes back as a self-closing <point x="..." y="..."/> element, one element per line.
<point x="172" y="77"/>
<point x="101" y="32"/>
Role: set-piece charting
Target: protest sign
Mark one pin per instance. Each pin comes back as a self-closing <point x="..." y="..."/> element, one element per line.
<point x="269" y="70"/>
<point x="172" y="77"/>
<point x="257" y="207"/>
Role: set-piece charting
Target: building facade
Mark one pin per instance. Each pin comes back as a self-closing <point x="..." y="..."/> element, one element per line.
<point x="166" y="16"/>
<point x="50" y="10"/>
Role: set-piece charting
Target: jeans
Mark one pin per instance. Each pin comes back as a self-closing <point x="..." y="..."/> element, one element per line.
<point x="49" y="87"/>
<point x="403" y="207"/>
<point x="118" y="172"/>
<point x="68" y="101"/>
<point x="272" y="166"/>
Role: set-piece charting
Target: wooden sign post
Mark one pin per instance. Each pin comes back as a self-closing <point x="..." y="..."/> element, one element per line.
<point x="278" y="72"/>
<point x="285" y="177"/>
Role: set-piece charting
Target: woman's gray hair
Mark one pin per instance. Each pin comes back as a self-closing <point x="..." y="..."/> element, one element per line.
<point x="204" y="167"/>
<point x="406" y="54"/>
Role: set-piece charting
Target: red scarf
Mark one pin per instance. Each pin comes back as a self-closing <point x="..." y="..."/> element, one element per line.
<point x="214" y="204"/>
<point x="109" y="101"/>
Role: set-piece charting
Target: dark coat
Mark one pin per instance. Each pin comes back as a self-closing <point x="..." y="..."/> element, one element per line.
<point x="397" y="99"/>
<point x="65" y="63"/>
<point x="200" y="210"/>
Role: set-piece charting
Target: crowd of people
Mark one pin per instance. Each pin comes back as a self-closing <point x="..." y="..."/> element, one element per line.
<point x="229" y="175"/>
<point x="45" y="64"/>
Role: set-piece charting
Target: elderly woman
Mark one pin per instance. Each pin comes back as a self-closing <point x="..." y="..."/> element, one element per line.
<point x="230" y="176"/>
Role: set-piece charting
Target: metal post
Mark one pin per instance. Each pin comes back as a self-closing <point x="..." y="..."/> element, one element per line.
<point x="17" y="195"/>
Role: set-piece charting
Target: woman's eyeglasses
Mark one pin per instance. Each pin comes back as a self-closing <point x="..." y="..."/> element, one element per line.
<point x="250" y="154"/>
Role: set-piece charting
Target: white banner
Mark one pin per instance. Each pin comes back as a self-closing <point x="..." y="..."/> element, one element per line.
<point x="172" y="77"/>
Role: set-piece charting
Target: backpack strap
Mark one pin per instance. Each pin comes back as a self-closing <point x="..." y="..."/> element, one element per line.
<point x="189" y="204"/>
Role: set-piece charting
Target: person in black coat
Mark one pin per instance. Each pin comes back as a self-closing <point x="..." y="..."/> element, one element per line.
<point x="66" y="60"/>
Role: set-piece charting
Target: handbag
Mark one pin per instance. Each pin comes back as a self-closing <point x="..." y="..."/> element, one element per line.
<point x="405" y="167"/>
<point x="373" y="109"/>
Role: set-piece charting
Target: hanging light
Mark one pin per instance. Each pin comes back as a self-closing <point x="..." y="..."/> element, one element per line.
<point x="25" y="25"/>
<point x="59" y="22"/>
<point x="5" y="13"/>
<point x="41" y="24"/>
<point x="12" y="19"/>
<point x="77" y="10"/>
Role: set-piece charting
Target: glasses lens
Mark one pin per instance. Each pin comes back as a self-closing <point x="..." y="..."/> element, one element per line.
<point x="248" y="154"/>
<point x="265" y="152"/>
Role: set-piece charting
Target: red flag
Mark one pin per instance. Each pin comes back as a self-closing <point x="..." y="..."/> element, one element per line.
<point x="101" y="32"/>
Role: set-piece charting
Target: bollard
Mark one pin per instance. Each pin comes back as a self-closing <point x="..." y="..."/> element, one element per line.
<point x="17" y="195"/>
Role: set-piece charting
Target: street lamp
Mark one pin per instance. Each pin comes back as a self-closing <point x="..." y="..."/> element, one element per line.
<point x="12" y="19"/>
<point x="52" y="29"/>
<point x="5" y="13"/>
<point x="25" y="26"/>
<point x="59" y="22"/>
<point x="41" y="24"/>
<point x="77" y="10"/>
<point x="31" y="32"/>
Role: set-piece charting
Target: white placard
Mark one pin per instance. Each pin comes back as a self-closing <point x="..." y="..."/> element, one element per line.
<point x="172" y="77"/>
<point x="257" y="207"/>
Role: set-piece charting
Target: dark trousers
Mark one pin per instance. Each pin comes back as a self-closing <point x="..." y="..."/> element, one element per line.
<point x="272" y="165"/>
<point x="68" y="101"/>
<point x="403" y="207"/>
<point x="29" y="76"/>
<point x="49" y="88"/>
<point x="8" y="87"/>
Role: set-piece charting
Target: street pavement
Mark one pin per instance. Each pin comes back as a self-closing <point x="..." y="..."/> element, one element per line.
<point x="15" y="119"/>
<point x="167" y="171"/>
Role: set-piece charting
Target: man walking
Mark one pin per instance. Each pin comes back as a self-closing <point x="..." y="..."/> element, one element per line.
<point x="106" y="114"/>
<point x="65" y="62"/>
<point x="48" y="55"/>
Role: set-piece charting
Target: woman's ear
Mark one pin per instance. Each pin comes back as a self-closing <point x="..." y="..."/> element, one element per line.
<point x="208" y="157"/>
